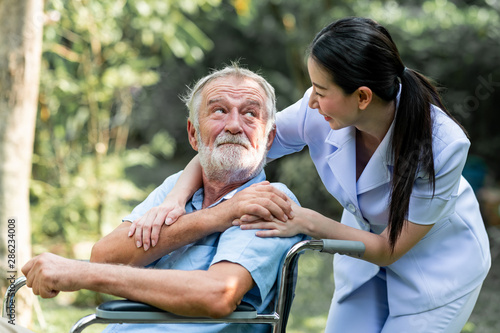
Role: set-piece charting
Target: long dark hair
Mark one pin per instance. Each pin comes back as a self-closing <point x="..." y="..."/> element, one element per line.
<point x="360" y="52"/>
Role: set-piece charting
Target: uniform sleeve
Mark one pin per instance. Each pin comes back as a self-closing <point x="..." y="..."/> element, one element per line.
<point x="290" y="129"/>
<point x="448" y="165"/>
<point x="154" y="199"/>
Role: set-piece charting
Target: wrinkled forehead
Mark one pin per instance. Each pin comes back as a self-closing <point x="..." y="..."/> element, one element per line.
<point x="234" y="89"/>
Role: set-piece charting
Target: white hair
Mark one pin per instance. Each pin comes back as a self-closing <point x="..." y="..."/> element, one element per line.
<point x="193" y="98"/>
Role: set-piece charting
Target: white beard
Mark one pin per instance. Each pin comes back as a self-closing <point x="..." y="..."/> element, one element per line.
<point x="230" y="163"/>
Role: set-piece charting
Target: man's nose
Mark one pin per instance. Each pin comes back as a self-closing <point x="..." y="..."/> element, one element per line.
<point x="233" y="122"/>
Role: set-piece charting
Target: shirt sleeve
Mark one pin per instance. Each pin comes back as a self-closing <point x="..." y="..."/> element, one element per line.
<point x="154" y="199"/>
<point x="426" y="208"/>
<point x="261" y="257"/>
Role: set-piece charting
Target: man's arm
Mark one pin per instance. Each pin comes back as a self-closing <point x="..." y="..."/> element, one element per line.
<point x="259" y="200"/>
<point x="119" y="248"/>
<point x="213" y="293"/>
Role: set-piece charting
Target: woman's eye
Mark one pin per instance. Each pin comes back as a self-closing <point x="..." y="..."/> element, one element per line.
<point x="318" y="94"/>
<point x="250" y="113"/>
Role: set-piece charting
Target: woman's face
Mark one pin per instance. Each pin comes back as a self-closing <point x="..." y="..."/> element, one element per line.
<point x="340" y="110"/>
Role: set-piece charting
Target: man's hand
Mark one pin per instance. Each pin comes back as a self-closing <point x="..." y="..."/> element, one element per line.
<point x="262" y="201"/>
<point x="48" y="274"/>
<point x="276" y="228"/>
<point x="258" y="201"/>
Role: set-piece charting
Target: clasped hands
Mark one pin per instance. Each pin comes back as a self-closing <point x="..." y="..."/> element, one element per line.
<point x="259" y="206"/>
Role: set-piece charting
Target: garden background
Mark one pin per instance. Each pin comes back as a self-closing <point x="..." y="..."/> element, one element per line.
<point x="110" y="125"/>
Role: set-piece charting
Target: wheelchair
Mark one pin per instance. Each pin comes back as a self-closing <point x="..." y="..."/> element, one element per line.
<point x="125" y="311"/>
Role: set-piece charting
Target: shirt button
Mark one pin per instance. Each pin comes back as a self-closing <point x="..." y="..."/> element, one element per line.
<point x="351" y="208"/>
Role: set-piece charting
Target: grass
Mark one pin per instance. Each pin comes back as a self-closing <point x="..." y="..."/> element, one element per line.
<point x="59" y="318"/>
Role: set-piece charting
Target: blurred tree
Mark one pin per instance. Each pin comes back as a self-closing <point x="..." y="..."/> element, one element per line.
<point x="113" y="71"/>
<point x="21" y="25"/>
<point x="98" y="58"/>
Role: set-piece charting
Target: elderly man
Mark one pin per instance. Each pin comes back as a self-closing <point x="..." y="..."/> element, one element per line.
<point x="203" y="267"/>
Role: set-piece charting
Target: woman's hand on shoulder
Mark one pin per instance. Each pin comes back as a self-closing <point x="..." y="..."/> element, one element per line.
<point x="274" y="227"/>
<point x="262" y="201"/>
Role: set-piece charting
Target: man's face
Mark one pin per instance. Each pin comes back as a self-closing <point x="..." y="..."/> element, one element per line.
<point x="232" y="139"/>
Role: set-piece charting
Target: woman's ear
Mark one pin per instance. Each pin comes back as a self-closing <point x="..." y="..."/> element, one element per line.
<point x="365" y="96"/>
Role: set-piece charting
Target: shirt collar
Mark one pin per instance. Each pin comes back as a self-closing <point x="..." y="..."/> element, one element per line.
<point x="197" y="199"/>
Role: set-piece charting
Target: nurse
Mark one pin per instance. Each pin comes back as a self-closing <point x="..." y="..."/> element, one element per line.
<point x="387" y="149"/>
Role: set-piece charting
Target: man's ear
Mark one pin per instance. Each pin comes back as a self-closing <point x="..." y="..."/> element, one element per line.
<point x="270" y="137"/>
<point x="192" y="135"/>
<point x="365" y="96"/>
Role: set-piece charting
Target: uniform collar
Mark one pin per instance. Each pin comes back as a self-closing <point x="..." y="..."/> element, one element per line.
<point x="377" y="171"/>
<point x="342" y="161"/>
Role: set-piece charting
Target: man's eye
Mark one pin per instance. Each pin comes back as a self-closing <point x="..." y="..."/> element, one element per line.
<point x="318" y="94"/>
<point x="250" y="113"/>
<point x="219" y="111"/>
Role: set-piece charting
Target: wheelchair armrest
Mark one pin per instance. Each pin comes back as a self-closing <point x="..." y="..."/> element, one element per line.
<point x="125" y="309"/>
<point x="350" y="248"/>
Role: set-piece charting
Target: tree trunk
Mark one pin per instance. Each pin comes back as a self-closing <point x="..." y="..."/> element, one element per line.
<point x="21" y="25"/>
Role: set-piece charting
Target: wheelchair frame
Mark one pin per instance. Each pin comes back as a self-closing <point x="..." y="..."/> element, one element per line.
<point x="124" y="311"/>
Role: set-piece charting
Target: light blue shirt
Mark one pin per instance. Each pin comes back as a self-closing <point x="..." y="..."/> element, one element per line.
<point x="260" y="256"/>
<point x="450" y="261"/>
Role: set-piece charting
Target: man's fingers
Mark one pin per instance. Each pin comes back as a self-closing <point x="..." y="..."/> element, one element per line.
<point x="275" y="201"/>
<point x="27" y="267"/>
<point x="266" y="209"/>
<point x="48" y="293"/>
<point x="283" y="203"/>
<point x="249" y="218"/>
<point x="265" y="186"/>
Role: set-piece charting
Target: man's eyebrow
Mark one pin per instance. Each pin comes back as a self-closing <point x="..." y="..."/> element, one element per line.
<point x="253" y="102"/>
<point x="214" y="100"/>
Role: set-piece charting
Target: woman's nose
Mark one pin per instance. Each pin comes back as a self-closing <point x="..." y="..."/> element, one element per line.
<point x="313" y="102"/>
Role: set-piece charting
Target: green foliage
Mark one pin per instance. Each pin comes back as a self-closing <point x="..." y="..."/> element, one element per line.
<point x="111" y="125"/>
<point x="313" y="293"/>
<point x="98" y="58"/>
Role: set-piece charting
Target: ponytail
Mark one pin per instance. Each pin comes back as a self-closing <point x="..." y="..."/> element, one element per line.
<point x="411" y="145"/>
<point x="360" y="52"/>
